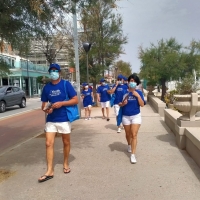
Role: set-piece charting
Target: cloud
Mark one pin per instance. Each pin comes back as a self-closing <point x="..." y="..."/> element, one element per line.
<point x="148" y="21"/>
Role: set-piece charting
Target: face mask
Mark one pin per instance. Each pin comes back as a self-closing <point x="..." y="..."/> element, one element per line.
<point x="132" y="84"/>
<point x="86" y="87"/>
<point x="120" y="82"/>
<point x="103" y="83"/>
<point x="54" y="75"/>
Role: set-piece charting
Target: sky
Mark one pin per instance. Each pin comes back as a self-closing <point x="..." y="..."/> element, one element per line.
<point x="149" y="21"/>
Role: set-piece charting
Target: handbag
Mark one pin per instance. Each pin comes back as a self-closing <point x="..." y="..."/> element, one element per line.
<point x="112" y="100"/>
<point x="72" y="110"/>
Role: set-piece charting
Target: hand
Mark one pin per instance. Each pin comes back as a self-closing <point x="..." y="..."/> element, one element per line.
<point x="98" y="100"/>
<point x="48" y="110"/>
<point x="135" y="94"/>
<point x="117" y="82"/>
<point x="57" y="105"/>
<point x="125" y="102"/>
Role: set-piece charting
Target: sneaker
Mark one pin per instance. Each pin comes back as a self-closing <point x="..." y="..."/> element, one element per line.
<point x="86" y="118"/>
<point x="89" y="118"/>
<point x="133" y="159"/>
<point x="119" y="130"/>
<point x="129" y="149"/>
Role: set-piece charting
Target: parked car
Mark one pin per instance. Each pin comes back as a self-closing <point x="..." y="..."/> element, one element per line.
<point x="11" y="96"/>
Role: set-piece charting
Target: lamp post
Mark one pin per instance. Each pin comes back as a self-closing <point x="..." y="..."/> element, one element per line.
<point x="76" y="55"/>
<point x="87" y="46"/>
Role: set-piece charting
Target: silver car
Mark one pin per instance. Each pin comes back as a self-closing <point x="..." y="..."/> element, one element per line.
<point x="11" y="96"/>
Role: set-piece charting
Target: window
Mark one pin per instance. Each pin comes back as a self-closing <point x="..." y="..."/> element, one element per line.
<point x="15" y="89"/>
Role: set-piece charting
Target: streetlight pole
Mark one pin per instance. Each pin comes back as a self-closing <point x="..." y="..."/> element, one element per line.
<point x="76" y="56"/>
<point x="87" y="47"/>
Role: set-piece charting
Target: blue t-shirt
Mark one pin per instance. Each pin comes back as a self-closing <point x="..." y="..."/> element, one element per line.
<point x="102" y="91"/>
<point x="55" y="93"/>
<point x="132" y="107"/>
<point x="87" y="100"/>
<point x="119" y="93"/>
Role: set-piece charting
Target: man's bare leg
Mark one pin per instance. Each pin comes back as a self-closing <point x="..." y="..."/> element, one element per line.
<point x="50" y="137"/>
<point x="66" y="151"/>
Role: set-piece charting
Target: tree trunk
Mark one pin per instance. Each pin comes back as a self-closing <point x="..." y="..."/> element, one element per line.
<point x="163" y="81"/>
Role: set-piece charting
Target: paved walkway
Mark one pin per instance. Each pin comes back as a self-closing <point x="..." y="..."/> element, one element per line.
<point x="100" y="165"/>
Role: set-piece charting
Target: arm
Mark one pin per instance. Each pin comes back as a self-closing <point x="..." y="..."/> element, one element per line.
<point x="70" y="102"/>
<point x="92" y="96"/>
<point x="113" y="89"/>
<point x="140" y="100"/>
<point x="98" y="97"/>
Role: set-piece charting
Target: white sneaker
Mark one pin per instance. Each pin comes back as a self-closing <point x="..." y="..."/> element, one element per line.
<point x="89" y="118"/>
<point x="119" y="130"/>
<point x="86" y="118"/>
<point x="133" y="159"/>
<point x="129" y="149"/>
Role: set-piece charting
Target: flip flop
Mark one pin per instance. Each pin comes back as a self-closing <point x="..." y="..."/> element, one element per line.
<point x="45" y="179"/>
<point x="66" y="171"/>
<point x="108" y="119"/>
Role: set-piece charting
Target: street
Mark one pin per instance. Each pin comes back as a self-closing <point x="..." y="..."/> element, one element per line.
<point x="31" y="104"/>
<point x="19" y="125"/>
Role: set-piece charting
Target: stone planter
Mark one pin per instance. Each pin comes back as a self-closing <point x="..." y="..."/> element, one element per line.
<point x="150" y="89"/>
<point x="170" y="105"/>
<point x="188" y="105"/>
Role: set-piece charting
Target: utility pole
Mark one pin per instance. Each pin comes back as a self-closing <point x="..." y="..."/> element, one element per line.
<point x="76" y="56"/>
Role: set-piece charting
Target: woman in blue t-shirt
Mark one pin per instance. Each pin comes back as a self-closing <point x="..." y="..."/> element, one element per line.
<point x="131" y="116"/>
<point x="88" y="98"/>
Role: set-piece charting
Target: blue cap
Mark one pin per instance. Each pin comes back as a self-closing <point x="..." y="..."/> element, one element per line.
<point x="102" y="80"/>
<point x="54" y="65"/>
<point x="120" y="76"/>
<point x="125" y="79"/>
<point x="84" y="84"/>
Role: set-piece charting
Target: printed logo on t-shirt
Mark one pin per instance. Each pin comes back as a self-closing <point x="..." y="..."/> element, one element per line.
<point x="119" y="89"/>
<point x="131" y="98"/>
<point x="105" y="89"/>
<point x="54" y="93"/>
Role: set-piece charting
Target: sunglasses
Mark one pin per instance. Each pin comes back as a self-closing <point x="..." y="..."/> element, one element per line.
<point x="53" y="70"/>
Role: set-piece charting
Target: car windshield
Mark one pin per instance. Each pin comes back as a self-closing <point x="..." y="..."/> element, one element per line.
<point x="2" y="89"/>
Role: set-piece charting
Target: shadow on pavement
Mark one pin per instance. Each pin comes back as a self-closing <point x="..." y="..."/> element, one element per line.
<point x="118" y="146"/>
<point x="171" y="139"/>
<point x="111" y="126"/>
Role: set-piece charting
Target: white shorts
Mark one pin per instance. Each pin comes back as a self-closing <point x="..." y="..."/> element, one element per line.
<point x="134" y="119"/>
<point x="89" y="106"/>
<point x="58" y="127"/>
<point x="105" y="104"/>
<point x="116" y="109"/>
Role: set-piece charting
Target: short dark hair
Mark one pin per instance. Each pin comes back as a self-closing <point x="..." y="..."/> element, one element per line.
<point x="135" y="77"/>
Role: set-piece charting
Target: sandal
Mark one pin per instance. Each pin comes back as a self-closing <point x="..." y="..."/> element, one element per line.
<point x="66" y="171"/>
<point x="46" y="178"/>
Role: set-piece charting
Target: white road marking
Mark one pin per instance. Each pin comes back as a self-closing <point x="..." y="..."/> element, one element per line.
<point x="19" y="113"/>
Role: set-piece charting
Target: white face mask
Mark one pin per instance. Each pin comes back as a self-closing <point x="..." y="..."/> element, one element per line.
<point x="86" y="87"/>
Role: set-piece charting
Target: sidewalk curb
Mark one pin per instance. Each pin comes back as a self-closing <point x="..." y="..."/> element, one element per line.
<point x="19" y="144"/>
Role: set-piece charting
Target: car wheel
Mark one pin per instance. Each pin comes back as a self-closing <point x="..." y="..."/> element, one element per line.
<point x="2" y="106"/>
<point x="23" y="103"/>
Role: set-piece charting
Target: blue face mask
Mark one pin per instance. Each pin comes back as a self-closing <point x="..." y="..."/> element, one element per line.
<point x="54" y="75"/>
<point x="132" y="84"/>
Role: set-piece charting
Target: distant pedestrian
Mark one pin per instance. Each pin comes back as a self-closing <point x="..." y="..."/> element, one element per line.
<point x="131" y="116"/>
<point x="119" y="89"/>
<point x="88" y="99"/>
<point x="53" y="103"/>
<point x="104" y="97"/>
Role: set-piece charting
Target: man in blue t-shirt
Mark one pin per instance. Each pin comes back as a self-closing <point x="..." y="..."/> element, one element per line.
<point x="104" y="97"/>
<point x="119" y="89"/>
<point x="53" y="104"/>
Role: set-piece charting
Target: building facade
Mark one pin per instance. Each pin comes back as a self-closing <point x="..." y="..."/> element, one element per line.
<point x="23" y="74"/>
